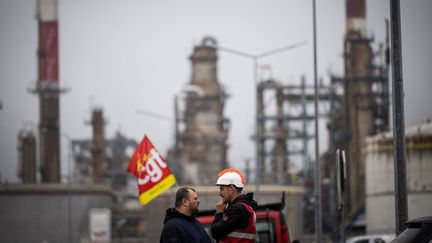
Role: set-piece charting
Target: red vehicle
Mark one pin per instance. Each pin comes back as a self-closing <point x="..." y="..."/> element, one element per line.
<point x="271" y="224"/>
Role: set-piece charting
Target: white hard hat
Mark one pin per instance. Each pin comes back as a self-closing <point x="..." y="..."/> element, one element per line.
<point x="231" y="177"/>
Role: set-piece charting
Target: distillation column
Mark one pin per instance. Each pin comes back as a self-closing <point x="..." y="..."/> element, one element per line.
<point x="202" y="143"/>
<point x="359" y="98"/>
<point x="27" y="155"/>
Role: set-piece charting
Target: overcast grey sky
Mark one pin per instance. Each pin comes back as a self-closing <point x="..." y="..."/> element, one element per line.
<point x="129" y="55"/>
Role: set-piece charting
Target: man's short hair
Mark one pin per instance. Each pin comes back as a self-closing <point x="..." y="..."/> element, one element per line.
<point x="182" y="193"/>
<point x="239" y="189"/>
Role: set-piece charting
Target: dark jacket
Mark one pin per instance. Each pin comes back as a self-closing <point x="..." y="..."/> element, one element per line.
<point x="180" y="228"/>
<point x="236" y="214"/>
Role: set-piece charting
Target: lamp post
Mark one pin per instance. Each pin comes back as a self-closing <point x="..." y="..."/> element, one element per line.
<point x="317" y="181"/>
<point x="400" y="171"/>
<point x="258" y="131"/>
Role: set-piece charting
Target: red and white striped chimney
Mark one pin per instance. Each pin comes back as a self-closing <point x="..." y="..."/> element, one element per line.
<point x="48" y="90"/>
<point x="356" y="16"/>
<point x="48" y="41"/>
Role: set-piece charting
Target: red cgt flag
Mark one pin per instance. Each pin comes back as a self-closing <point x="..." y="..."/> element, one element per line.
<point x="154" y="176"/>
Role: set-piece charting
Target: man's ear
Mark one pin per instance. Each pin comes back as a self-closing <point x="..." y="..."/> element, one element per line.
<point x="184" y="200"/>
<point x="232" y="189"/>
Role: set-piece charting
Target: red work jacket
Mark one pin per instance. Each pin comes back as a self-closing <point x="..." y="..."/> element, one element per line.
<point x="246" y="235"/>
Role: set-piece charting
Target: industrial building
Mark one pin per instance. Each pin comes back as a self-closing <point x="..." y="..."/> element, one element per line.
<point x="379" y="183"/>
<point x="49" y="212"/>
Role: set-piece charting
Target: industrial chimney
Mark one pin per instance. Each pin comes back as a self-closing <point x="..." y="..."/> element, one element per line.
<point x="48" y="90"/>
<point x="98" y="145"/>
<point x="356" y="16"/>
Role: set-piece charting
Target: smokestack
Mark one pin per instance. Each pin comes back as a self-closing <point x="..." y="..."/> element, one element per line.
<point x="356" y="16"/>
<point x="98" y="145"/>
<point x="48" y="90"/>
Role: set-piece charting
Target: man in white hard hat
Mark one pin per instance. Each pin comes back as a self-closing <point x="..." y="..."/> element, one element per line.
<point x="235" y="212"/>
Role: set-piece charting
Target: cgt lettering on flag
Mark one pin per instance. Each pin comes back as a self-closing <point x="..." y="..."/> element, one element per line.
<point x="154" y="175"/>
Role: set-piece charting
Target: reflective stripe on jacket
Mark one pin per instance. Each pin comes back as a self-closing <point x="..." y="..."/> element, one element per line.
<point x="246" y="235"/>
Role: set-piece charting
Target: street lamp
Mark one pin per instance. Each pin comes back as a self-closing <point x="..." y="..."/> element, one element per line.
<point x="258" y="56"/>
<point x="317" y="181"/>
<point x="255" y="59"/>
<point x="187" y="88"/>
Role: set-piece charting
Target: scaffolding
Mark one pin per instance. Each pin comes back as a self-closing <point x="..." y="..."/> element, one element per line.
<point x="282" y="131"/>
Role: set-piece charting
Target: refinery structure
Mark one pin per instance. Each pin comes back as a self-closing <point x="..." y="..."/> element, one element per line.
<point x="201" y="129"/>
<point x="356" y="110"/>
